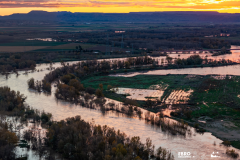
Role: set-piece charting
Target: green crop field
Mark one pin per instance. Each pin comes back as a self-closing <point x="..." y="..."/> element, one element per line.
<point x="221" y="96"/>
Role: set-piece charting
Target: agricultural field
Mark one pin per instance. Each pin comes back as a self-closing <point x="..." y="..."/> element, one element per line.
<point x="140" y="81"/>
<point x="81" y="27"/>
<point x="26" y="46"/>
<point x="85" y="46"/>
<point x="208" y="89"/>
<point x="140" y="37"/>
<point x="32" y="43"/>
<point x="72" y="46"/>
<point x="212" y="101"/>
<point x="20" y="48"/>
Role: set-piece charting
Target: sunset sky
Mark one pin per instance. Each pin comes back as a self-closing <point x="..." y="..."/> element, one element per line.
<point x="118" y="6"/>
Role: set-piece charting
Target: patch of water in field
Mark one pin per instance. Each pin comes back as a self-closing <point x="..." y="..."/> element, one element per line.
<point x="140" y="94"/>
<point x="223" y="70"/>
<point x="175" y="97"/>
<point x="201" y="146"/>
<point x="42" y="39"/>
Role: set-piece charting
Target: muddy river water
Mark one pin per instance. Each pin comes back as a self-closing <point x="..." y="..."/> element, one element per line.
<point x="199" y="146"/>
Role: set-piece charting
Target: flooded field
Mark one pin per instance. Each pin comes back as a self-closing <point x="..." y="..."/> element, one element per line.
<point x="235" y="56"/>
<point x="175" y="97"/>
<point x="19" y="127"/>
<point x="140" y="94"/>
<point x="199" y="145"/>
<point x="223" y="70"/>
<point x="42" y="39"/>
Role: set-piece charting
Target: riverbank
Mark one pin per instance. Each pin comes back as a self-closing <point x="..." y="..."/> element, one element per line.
<point x="229" y="136"/>
<point x="95" y="140"/>
<point x="193" y="90"/>
<point x="133" y="68"/>
<point x="95" y="75"/>
<point x="197" y="144"/>
<point x="25" y="61"/>
<point x="215" y="98"/>
<point x="168" y="67"/>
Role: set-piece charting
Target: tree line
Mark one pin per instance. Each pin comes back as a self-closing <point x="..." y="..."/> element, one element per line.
<point x="76" y="139"/>
<point x="15" y="62"/>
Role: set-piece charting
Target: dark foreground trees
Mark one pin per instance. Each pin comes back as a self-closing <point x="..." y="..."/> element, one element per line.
<point x="12" y="104"/>
<point x="73" y="138"/>
<point x="10" y="62"/>
<point x="8" y="140"/>
<point x="76" y="139"/>
<point x="11" y="100"/>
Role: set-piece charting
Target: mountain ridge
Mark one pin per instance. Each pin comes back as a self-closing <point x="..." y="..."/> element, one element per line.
<point x="158" y="17"/>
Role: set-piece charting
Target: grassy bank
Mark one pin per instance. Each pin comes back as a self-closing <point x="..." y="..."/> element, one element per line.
<point x="235" y="144"/>
<point x="139" y="81"/>
<point x="214" y="97"/>
<point x="206" y="88"/>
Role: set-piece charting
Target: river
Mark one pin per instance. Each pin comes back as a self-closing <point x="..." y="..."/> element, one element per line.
<point x="200" y="146"/>
<point x="222" y="70"/>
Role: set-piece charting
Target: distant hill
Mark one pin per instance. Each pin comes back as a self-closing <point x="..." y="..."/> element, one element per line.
<point x="158" y="17"/>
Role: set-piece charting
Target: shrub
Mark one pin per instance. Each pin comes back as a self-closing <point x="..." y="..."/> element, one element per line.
<point x="65" y="79"/>
<point x="130" y="102"/>
<point x="46" y="86"/>
<point x="90" y="90"/>
<point x="31" y="83"/>
<point x="226" y="143"/>
<point x="99" y="93"/>
<point x="109" y="87"/>
<point x="76" y="84"/>
<point x="232" y="153"/>
<point x="65" y="91"/>
<point x="196" y="125"/>
<point x="46" y="117"/>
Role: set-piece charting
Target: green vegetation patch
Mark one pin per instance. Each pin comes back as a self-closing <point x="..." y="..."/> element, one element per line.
<point x="216" y="111"/>
<point x="216" y="98"/>
<point x="139" y="81"/>
<point x="235" y="144"/>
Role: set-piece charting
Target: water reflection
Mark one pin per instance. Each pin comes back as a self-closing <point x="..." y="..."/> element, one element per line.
<point x="235" y="56"/>
<point x="20" y="127"/>
<point x="42" y="39"/>
<point x="199" y="145"/>
<point x="223" y="70"/>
